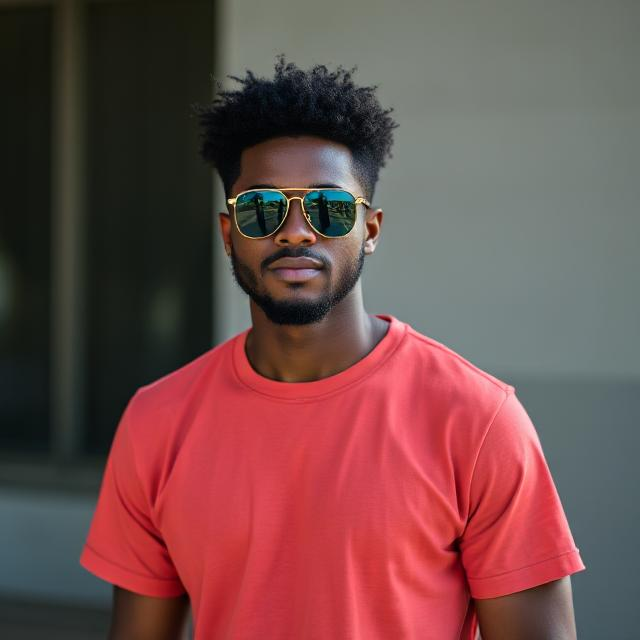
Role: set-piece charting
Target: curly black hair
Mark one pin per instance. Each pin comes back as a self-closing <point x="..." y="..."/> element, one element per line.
<point x="296" y="102"/>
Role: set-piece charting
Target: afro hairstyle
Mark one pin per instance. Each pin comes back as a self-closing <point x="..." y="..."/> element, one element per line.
<point x="295" y="102"/>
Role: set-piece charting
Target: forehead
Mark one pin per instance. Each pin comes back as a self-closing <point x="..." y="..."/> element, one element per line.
<point x="296" y="162"/>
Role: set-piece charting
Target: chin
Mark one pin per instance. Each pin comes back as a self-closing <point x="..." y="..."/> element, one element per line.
<point x="294" y="312"/>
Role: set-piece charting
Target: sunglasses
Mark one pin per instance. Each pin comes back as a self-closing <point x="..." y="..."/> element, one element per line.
<point x="330" y="212"/>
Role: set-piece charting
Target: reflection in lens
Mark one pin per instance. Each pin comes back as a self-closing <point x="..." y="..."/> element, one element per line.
<point x="259" y="213"/>
<point x="332" y="213"/>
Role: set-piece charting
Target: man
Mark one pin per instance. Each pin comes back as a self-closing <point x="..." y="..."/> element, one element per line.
<point x="327" y="473"/>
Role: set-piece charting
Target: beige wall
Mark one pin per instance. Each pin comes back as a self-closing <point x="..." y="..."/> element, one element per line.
<point x="512" y="225"/>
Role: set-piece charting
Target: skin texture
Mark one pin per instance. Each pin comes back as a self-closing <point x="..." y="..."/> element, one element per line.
<point x="542" y="613"/>
<point x="138" y="617"/>
<point x="307" y="331"/>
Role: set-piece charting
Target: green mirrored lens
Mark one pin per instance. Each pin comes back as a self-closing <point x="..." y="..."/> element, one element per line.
<point x="332" y="213"/>
<point x="259" y="213"/>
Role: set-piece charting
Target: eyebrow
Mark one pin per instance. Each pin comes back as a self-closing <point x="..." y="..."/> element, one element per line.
<point x="328" y="185"/>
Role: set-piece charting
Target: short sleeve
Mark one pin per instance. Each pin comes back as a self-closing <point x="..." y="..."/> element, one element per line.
<point x="123" y="546"/>
<point x="517" y="535"/>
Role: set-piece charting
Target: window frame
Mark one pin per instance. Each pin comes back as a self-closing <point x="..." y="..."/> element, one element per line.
<point x="65" y="466"/>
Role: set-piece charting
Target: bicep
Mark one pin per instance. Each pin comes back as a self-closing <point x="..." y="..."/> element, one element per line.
<point x="138" y="617"/>
<point x="544" y="612"/>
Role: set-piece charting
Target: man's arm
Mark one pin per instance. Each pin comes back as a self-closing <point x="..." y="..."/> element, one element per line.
<point x="541" y="613"/>
<point x="138" y="617"/>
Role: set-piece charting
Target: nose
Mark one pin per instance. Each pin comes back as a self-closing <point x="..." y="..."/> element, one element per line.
<point x="295" y="229"/>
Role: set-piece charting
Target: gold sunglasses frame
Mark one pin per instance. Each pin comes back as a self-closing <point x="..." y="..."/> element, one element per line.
<point x="358" y="200"/>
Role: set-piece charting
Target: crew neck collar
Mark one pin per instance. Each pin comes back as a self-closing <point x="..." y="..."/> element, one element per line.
<point x="302" y="391"/>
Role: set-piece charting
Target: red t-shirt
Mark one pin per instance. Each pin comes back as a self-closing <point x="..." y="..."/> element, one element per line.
<point x="371" y="504"/>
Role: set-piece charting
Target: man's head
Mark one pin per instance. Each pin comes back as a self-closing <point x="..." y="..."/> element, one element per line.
<point x="302" y="129"/>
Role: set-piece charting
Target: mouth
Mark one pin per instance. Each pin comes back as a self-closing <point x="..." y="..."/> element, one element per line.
<point x="300" y="269"/>
<point x="295" y="275"/>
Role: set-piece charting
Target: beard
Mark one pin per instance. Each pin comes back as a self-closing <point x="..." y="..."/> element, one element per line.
<point x="296" y="311"/>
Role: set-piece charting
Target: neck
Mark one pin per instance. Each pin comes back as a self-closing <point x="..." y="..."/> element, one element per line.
<point x="304" y="353"/>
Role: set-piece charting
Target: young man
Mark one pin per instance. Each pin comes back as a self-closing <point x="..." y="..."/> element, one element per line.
<point x="327" y="473"/>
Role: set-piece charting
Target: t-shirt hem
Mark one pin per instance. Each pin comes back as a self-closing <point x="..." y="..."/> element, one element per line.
<point x="113" y="573"/>
<point x="527" y="577"/>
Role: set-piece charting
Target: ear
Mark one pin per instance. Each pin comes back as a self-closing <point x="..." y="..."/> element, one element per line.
<point x="225" y="230"/>
<point x="373" y="225"/>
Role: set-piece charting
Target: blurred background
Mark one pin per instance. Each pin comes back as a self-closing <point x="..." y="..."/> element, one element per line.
<point x="510" y="234"/>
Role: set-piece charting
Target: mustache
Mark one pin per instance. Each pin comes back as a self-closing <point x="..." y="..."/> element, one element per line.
<point x="302" y="252"/>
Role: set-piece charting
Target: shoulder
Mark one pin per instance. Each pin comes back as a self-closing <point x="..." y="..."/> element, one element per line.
<point x="175" y="387"/>
<point x="155" y="412"/>
<point x="448" y="376"/>
<point x="452" y="400"/>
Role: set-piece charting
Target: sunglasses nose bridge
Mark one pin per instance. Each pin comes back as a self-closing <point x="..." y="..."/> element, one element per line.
<point x="291" y="198"/>
<point x="301" y="205"/>
<point x="296" y="226"/>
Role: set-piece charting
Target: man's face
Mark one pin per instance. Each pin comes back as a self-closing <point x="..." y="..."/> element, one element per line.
<point x="304" y="161"/>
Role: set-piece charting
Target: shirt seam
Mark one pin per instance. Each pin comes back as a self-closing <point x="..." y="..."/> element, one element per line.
<point x="528" y="566"/>
<point x="507" y="394"/>
<point x="136" y="470"/>
<point x="129" y="571"/>
<point x="321" y="396"/>
<point x="469" y="365"/>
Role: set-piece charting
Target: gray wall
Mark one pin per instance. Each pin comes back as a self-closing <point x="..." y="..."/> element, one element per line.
<point x="511" y="222"/>
<point x="42" y="535"/>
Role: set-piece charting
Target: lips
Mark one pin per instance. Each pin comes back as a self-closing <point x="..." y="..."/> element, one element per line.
<point x="296" y="263"/>
<point x="296" y="269"/>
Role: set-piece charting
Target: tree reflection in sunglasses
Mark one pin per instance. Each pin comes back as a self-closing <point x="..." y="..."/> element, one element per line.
<point x="339" y="209"/>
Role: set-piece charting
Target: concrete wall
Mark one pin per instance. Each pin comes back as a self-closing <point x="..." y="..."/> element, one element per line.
<point x="42" y="535"/>
<point x="511" y="222"/>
